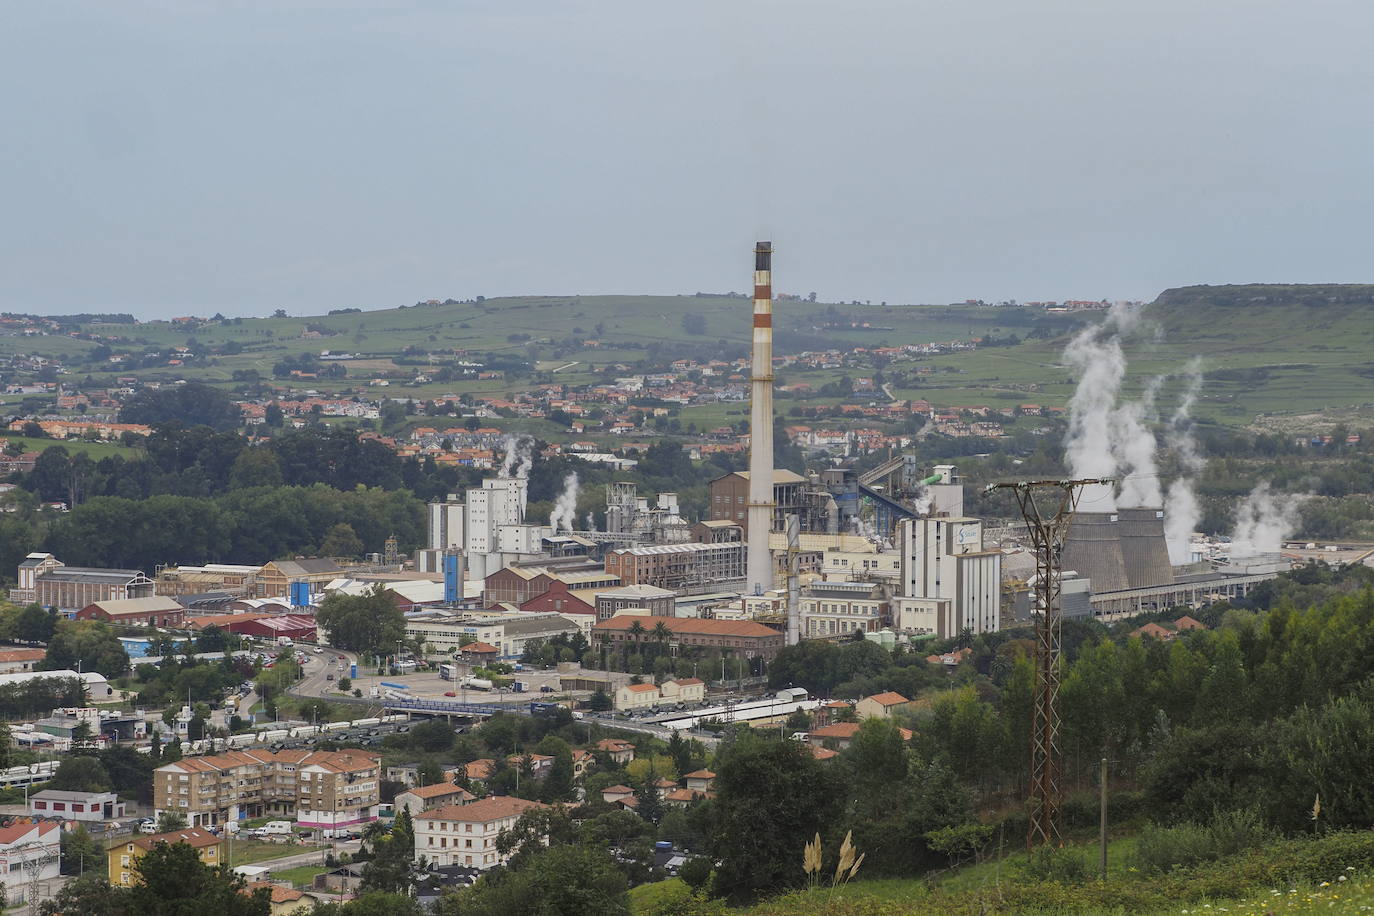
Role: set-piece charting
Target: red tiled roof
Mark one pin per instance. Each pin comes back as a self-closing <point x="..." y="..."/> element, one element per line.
<point x="13" y="832"/>
<point x="438" y="790"/>
<point x="889" y="698"/>
<point x="484" y="811"/>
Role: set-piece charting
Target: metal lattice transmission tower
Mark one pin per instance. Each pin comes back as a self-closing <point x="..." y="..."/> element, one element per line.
<point x="1047" y="518"/>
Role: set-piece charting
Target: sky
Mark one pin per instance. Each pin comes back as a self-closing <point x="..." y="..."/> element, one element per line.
<point x="192" y="156"/>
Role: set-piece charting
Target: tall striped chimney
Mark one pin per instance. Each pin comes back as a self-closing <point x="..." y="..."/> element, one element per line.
<point x="759" y="571"/>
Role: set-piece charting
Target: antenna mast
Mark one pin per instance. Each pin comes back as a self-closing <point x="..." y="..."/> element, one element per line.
<point x="1048" y="528"/>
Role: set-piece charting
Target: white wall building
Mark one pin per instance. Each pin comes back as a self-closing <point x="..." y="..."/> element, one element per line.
<point x="837" y="608"/>
<point x="29" y="852"/>
<point x="466" y="834"/>
<point x="949" y="582"/>
<point x="488" y="526"/>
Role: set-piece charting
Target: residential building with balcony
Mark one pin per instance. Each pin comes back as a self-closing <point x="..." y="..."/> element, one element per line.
<point x="327" y="790"/>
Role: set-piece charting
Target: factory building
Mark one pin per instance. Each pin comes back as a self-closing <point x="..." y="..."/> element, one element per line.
<point x="677" y="566"/>
<point x="488" y="527"/>
<point x="949" y="581"/>
<point x="629" y="514"/>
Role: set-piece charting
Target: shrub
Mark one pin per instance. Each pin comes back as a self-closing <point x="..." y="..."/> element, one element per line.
<point x="1060" y="866"/>
<point x="1227" y="834"/>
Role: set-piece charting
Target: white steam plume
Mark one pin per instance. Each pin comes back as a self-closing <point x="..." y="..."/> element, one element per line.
<point x="526" y="459"/>
<point x="1134" y="444"/>
<point x="508" y="463"/>
<point x="1263" y="520"/>
<point x="1097" y="357"/>
<point x="920" y="500"/>
<point x="564" y="514"/>
<point x="591" y="521"/>
<point x="1182" y="511"/>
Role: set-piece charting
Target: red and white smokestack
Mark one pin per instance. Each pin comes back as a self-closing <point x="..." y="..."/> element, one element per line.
<point x="759" y="568"/>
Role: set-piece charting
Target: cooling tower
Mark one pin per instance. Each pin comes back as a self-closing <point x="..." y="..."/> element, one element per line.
<point x="1144" y="547"/>
<point x="1093" y="550"/>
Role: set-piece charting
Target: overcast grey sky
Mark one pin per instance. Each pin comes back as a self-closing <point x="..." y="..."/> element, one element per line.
<point x="189" y="156"/>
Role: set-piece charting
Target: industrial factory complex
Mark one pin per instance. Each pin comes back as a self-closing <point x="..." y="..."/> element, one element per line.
<point x="815" y="553"/>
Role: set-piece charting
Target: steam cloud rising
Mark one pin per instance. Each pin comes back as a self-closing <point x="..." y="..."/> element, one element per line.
<point x="1182" y="510"/>
<point x="564" y="514"/>
<point x="1263" y="520"/>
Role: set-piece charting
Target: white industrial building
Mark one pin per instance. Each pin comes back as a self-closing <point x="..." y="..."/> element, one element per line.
<point x="949" y="581"/>
<point x="488" y="527"/>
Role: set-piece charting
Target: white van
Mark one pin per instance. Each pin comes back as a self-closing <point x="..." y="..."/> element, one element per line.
<point x="276" y="828"/>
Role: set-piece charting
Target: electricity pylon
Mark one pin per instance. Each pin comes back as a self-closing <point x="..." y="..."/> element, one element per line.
<point x="1048" y="529"/>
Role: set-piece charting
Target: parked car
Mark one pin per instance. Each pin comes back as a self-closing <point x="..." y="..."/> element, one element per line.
<point x="546" y="689"/>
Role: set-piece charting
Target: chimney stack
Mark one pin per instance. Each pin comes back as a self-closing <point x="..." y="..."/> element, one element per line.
<point x="759" y="571"/>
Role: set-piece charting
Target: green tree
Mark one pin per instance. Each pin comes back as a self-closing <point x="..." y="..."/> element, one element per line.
<point x="573" y="880"/>
<point x="170" y="820"/>
<point x="174" y="882"/>
<point x="256" y="467"/>
<point x="89" y="644"/>
<point x="557" y="784"/>
<point x="90" y="895"/>
<point x="772" y="797"/>
<point x="370" y="622"/>
<point x="341" y="541"/>
<point x="192" y="404"/>
<point x="82" y="854"/>
<point x="389" y="870"/>
<point x="34" y="624"/>
<point x="80" y="774"/>
<point x="372" y="903"/>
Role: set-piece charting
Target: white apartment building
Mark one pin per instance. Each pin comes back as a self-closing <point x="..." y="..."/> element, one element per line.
<point x="466" y="834"/>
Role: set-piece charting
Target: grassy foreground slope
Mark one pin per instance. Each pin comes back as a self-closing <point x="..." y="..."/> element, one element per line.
<point x="1333" y="874"/>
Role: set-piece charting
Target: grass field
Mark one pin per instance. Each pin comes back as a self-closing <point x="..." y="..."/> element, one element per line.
<point x="252" y="852"/>
<point x="301" y="876"/>
<point x="96" y="450"/>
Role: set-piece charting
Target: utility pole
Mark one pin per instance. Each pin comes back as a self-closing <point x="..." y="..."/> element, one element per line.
<point x="1048" y="526"/>
<point x="1102" y="816"/>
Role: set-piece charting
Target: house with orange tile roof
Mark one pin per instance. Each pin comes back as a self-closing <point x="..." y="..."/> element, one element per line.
<point x="124" y="855"/>
<point x="283" y="899"/>
<point x="619" y="750"/>
<point x="841" y="734"/>
<point x="28" y="847"/>
<point x="328" y="790"/>
<point x="637" y="696"/>
<point x="438" y="795"/>
<point x="881" y="705"/>
<point x="466" y="834"/>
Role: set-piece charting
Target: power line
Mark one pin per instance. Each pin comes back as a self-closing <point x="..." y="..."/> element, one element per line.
<point x="1048" y="529"/>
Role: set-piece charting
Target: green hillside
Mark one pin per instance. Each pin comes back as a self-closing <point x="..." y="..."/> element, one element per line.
<point x="1282" y="351"/>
